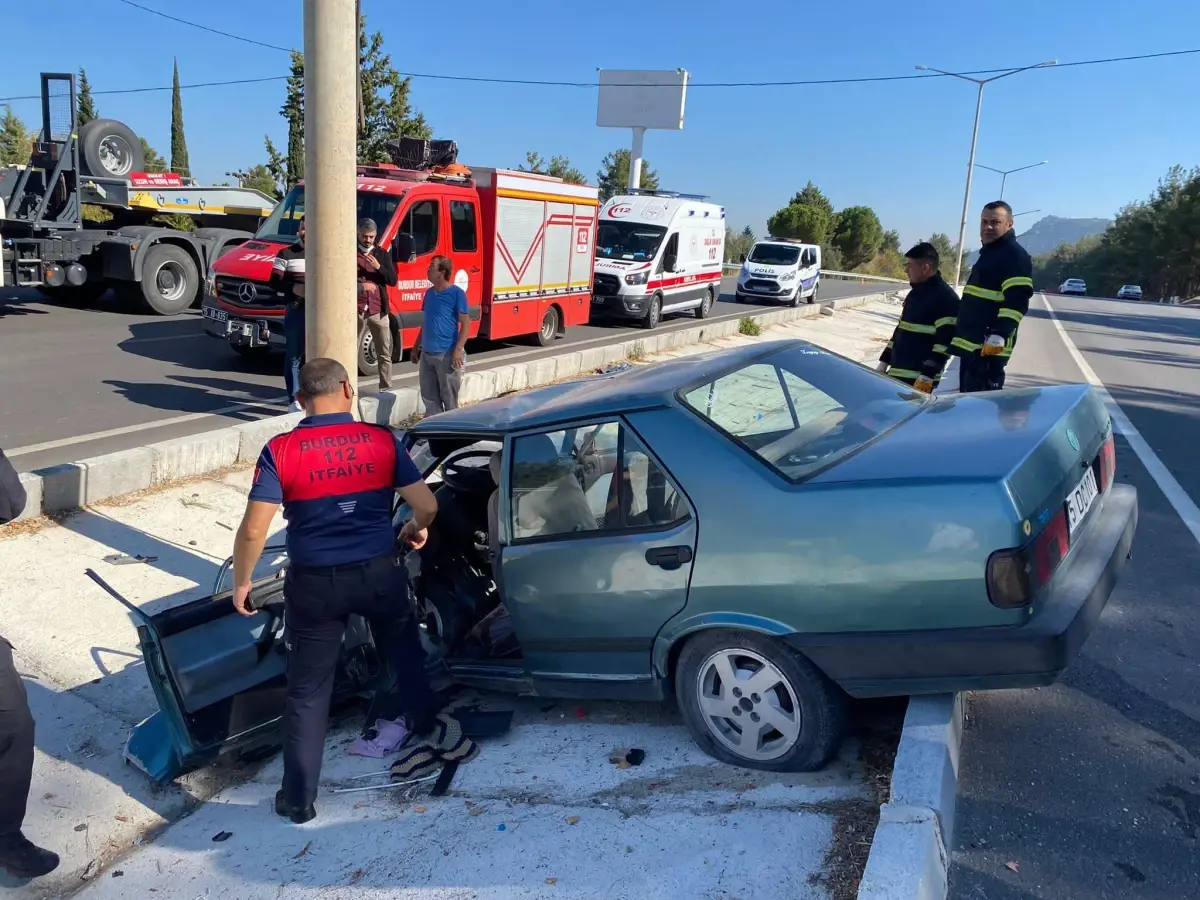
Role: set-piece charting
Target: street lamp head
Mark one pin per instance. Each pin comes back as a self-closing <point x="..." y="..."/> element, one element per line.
<point x="922" y="68"/>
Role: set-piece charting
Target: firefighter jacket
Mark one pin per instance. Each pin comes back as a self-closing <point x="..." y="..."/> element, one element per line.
<point x="995" y="299"/>
<point x="923" y="334"/>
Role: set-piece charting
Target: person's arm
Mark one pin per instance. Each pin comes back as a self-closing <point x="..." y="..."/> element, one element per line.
<point x="413" y="490"/>
<point x="945" y="326"/>
<point x="265" y="496"/>
<point x="12" y="493"/>
<point x="885" y="358"/>
<point x="464" y="326"/>
<point x="1017" y="289"/>
<point x="385" y="275"/>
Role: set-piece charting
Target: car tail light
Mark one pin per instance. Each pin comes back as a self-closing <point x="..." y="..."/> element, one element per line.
<point x="1108" y="462"/>
<point x="1015" y="576"/>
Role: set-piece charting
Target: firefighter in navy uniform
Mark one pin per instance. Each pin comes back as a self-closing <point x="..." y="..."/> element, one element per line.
<point x="994" y="302"/>
<point x="336" y="479"/>
<point x="917" y="352"/>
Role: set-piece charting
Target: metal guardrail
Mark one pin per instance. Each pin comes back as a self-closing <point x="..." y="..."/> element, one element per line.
<point x="733" y="268"/>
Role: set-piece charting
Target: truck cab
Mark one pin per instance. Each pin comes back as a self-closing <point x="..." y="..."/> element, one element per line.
<point x="519" y="279"/>
<point x="658" y="252"/>
<point x="780" y="269"/>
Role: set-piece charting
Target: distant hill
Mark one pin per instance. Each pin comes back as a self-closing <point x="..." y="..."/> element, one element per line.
<point x="1050" y="232"/>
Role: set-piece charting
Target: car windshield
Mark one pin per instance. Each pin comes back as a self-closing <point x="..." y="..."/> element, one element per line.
<point x="629" y="240"/>
<point x="283" y="223"/>
<point x="801" y="409"/>
<point x="774" y="255"/>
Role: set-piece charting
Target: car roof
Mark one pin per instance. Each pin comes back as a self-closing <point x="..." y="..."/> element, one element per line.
<point x="632" y="390"/>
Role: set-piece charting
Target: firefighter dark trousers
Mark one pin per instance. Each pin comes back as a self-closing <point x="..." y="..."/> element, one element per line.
<point x="317" y="603"/>
<point x="981" y="373"/>
<point x="16" y="745"/>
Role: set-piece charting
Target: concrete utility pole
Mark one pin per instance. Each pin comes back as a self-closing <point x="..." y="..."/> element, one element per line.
<point x="330" y="129"/>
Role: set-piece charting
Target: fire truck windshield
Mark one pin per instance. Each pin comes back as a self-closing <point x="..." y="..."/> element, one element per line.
<point x="283" y="223"/>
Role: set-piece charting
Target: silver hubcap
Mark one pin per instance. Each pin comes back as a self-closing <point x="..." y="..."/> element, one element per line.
<point x="655" y="310"/>
<point x="748" y="704"/>
<point x="368" y="344"/>
<point x="115" y="156"/>
<point x="171" y="281"/>
<point x="548" y="326"/>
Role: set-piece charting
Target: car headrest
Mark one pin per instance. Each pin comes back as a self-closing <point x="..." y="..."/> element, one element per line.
<point x="494" y="468"/>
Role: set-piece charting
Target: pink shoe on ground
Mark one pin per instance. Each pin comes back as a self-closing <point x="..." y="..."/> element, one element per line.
<point x="384" y="738"/>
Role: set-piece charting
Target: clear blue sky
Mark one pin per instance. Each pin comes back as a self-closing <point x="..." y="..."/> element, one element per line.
<point x="1109" y="132"/>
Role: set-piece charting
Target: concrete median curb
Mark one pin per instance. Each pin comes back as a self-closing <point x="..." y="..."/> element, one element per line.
<point x="910" y="852"/>
<point x="63" y="488"/>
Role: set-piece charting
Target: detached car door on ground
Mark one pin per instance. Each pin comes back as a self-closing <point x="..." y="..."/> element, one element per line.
<point x="600" y="543"/>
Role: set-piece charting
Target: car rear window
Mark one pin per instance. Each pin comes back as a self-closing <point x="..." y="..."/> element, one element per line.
<point x="801" y="409"/>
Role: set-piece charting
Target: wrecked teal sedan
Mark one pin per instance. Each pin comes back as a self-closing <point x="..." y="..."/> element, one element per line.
<point x="760" y="533"/>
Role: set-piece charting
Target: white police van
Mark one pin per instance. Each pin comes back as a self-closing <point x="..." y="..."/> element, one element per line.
<point x="780" y="269"/>
<point x="657" y="252"/>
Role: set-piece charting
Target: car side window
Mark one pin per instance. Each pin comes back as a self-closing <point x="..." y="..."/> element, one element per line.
<point x="462" y="226"/>
<point x="593" y="478"/>
<point x="421" y="223"/>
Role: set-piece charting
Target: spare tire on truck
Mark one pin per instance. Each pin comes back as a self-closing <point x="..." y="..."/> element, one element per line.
<point x="110" y="149"/>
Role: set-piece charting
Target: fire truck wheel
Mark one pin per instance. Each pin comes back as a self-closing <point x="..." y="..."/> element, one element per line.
<point x="110" y="149"/>
<point x="549" y="330"/>
<point x="170" y="281"/>
<point x="368" y="357"/>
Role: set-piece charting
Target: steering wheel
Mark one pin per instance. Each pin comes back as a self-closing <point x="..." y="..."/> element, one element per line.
<point x="459" y="476"/>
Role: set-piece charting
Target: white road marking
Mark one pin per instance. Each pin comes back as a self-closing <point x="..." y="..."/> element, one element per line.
<point x="1172" y="490"/>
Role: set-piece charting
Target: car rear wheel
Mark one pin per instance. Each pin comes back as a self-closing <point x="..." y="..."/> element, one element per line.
<point x="750" y="700"/>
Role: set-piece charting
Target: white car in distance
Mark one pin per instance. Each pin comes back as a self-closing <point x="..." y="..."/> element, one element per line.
<point x="1130" y="292"/>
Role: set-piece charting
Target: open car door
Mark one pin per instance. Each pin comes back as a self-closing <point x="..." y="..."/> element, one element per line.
<point x="219" y="677"/>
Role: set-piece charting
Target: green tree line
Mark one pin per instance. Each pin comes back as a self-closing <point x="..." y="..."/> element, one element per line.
<point x="1154" y="243"/>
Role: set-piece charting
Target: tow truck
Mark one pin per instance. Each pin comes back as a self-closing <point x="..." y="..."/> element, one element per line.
<point x="46" y="244"/>
<point x="521" y="244"/>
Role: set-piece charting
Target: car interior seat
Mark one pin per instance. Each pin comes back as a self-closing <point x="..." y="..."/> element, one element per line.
<point x="547" y="496"/>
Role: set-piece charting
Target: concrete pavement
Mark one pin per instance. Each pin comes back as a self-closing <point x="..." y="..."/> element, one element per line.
<point x="1090" y="789"/>
<point x="94" y="381"/>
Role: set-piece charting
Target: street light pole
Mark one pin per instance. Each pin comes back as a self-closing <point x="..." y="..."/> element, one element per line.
<point x="962" y="230"/>
<point x="1004" y="173"/>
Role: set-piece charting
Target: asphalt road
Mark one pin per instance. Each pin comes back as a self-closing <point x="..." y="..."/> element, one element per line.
<point x="1091" y="788"/>
<point x="83" y="382"/>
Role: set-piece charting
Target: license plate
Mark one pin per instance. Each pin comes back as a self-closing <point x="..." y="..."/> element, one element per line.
<point x="1080" y="500"/>
<point x="217" y="315"/>
<point x="597" y="299"/>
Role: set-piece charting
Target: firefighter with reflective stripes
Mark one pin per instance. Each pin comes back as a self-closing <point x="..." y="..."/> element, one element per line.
<point x="995" y="300"/>
<point x="917" y="352"/>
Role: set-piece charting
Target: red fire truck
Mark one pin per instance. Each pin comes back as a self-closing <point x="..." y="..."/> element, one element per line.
<point x="522" y="246"/>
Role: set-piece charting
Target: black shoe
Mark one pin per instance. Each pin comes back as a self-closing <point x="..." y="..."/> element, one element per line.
<point x="296" y="814"/>
<point x="24" y="859"/>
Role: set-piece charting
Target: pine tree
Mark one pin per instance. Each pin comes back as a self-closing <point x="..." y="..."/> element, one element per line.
<point x="84" y="104"/>
<point x="179" y="153"/>
<point x="14" y="140"/>
<point x="293" y="112"/>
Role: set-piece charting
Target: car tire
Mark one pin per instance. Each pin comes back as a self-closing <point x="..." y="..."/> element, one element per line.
<point x="110" y="149"/>
<point x="548" y="330"/>
<point x="795" y="301"/>
<point x="704" y="310"/>
<point x="654" y="314"/>
<point x="818" y="706"/>
<point x="812" y="298"/>
<point x="170" y="280"/>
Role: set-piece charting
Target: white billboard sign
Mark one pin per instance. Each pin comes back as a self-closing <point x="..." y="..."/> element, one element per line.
<point x="639" y="98"/>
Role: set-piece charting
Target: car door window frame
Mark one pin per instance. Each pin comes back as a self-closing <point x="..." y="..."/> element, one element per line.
<point x="507" y="510"/>
<point x="437" y="224"/>
<point x="472" y="218"/>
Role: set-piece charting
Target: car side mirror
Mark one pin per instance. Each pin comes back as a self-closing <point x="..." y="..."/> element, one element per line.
<point x="669" y="262"/>
<point x="404" y="250"/>
<point x="742" y="258"/>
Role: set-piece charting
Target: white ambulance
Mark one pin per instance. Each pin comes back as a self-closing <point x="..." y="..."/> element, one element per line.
<point x="657" y="252"/>
<point x="780" y="269"/>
